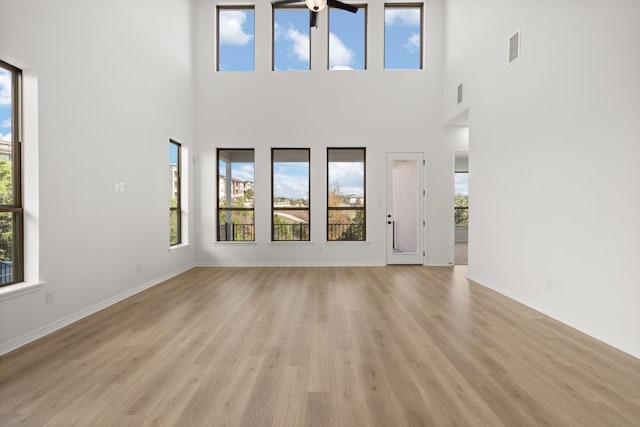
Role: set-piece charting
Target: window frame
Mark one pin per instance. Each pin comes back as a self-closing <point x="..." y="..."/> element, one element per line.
<point x="273" y="33"/>
<point x="409" y="5"/>
<point x="225" y="208"/>
<point x="16" y="208"/>
<point x="178" y="207"/>
<point x="220" y="8"/>
<point x="349" y="208"/>
<point x="366" y="23"/>
<point x="292" y="208"/>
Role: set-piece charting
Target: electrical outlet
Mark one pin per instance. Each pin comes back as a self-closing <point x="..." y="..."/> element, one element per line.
<point x="549" y="284"/>
<point x="139" y="267"/>
<point x="48" y="297"/>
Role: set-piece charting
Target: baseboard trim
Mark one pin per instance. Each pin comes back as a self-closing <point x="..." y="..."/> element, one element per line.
<point x="67" y="320"/>
<point x="288" y="264"/>
<point x="555" y="316"/>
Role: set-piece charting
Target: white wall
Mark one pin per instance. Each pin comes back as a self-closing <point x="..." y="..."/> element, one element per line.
<point x="114" y="83"/>
<point x="554" y="143"/>
<point x="382" y="110"/>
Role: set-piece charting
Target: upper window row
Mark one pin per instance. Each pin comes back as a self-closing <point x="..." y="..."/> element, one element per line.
<point x="291" y="38"/>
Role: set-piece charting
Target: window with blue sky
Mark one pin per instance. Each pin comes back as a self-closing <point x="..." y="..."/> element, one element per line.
<point x="11" y="213"/>
<point x="236" y="38"/>
<point x="403" y="37"/>
<point x="347" y="39"/>
<point x="5" y="105"/>
<point x="290" y="194"/>
<point x="291" y="39"/>
<point x="236" y="194"/>
<point x="346" y="194"/>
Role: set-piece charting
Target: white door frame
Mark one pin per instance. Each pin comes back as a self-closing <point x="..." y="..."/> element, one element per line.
<point x="394" y="256"/>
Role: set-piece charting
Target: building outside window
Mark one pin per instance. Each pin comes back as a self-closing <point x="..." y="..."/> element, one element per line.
<point x="175" y="193"/>
<point x="236" y="195"/>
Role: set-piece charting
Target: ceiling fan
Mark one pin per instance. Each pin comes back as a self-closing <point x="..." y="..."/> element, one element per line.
<point x="316" y="6"/>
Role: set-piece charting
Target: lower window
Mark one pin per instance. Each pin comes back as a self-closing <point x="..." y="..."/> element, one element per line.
<point x="236" y="195"/>
<point x="346" y="212"/>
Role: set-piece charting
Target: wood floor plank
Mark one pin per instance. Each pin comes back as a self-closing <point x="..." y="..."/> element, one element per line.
<point x="319" y="346"/>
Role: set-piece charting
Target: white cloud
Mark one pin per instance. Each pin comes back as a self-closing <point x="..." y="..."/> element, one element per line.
<point x="409" y="16"/>
<point x="462" y="183"/>
<point x="291" y="189"/>
<point x="340" y="56"/>
<point x="243" y="171"/>
<point x="350" y="177"/>
<point x="277" y="31"/>
<point x="291" y="180"/>
<point x="6" y="124"/>
<point x="5" y="87"/>
<point x="300" y="43"/>
<point x="231" y="28"/>
<point x="6" y="137"/>
<point x="413" y="43"/>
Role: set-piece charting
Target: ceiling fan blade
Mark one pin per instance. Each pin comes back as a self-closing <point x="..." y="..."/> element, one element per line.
<point x="339" y="5"/>
<point x="312" y="19"/>
<point x="281" y="2"/>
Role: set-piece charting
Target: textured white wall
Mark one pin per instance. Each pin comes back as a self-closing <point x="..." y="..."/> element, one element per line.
<point x="554" y="143"/>
<point x="114" y="83"/>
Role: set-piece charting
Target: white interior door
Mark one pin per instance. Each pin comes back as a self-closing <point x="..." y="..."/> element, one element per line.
<point x="404" y="222"/>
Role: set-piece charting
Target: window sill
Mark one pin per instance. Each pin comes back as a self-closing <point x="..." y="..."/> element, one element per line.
<point x="178" y="247"/>
<point x="19" y="289"/>
<point x="235" y="242"/>
<point x="290" y="242"/>
<point x="347" y="242"/>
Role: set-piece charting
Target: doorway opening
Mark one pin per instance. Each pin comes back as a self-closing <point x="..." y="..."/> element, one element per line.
<point x="405" y="192"/>
<point x="461" y="208"/>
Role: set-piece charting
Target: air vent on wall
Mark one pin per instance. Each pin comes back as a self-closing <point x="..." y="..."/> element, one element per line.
<point x="459" y="93"/>
<point x="514" y="46"/>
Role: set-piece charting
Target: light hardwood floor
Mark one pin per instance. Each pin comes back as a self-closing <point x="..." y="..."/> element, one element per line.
<point x="387" y="346"/>
<point x="462" y="253"/>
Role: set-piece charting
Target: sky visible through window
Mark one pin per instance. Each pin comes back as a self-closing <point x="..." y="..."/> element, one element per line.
<point x="462" y="183"/>
<point x="241" y="171"/>
<point x="291" y="39"/>
<point x="291" y="180"/>
<point x="402" y="38"/>
<point x="5" y="105"/>
<point x="349" y="176"/>
<point x="291" y="34"/>
<point x="346" y="39"/>
<point x="236" y="39"/>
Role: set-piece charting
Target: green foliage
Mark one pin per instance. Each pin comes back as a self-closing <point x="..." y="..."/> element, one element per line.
<point x="461" y="205"/>
<point x="356" y="230"/>
<point x="173" y="228"/>
<point x="6" y="219"/>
